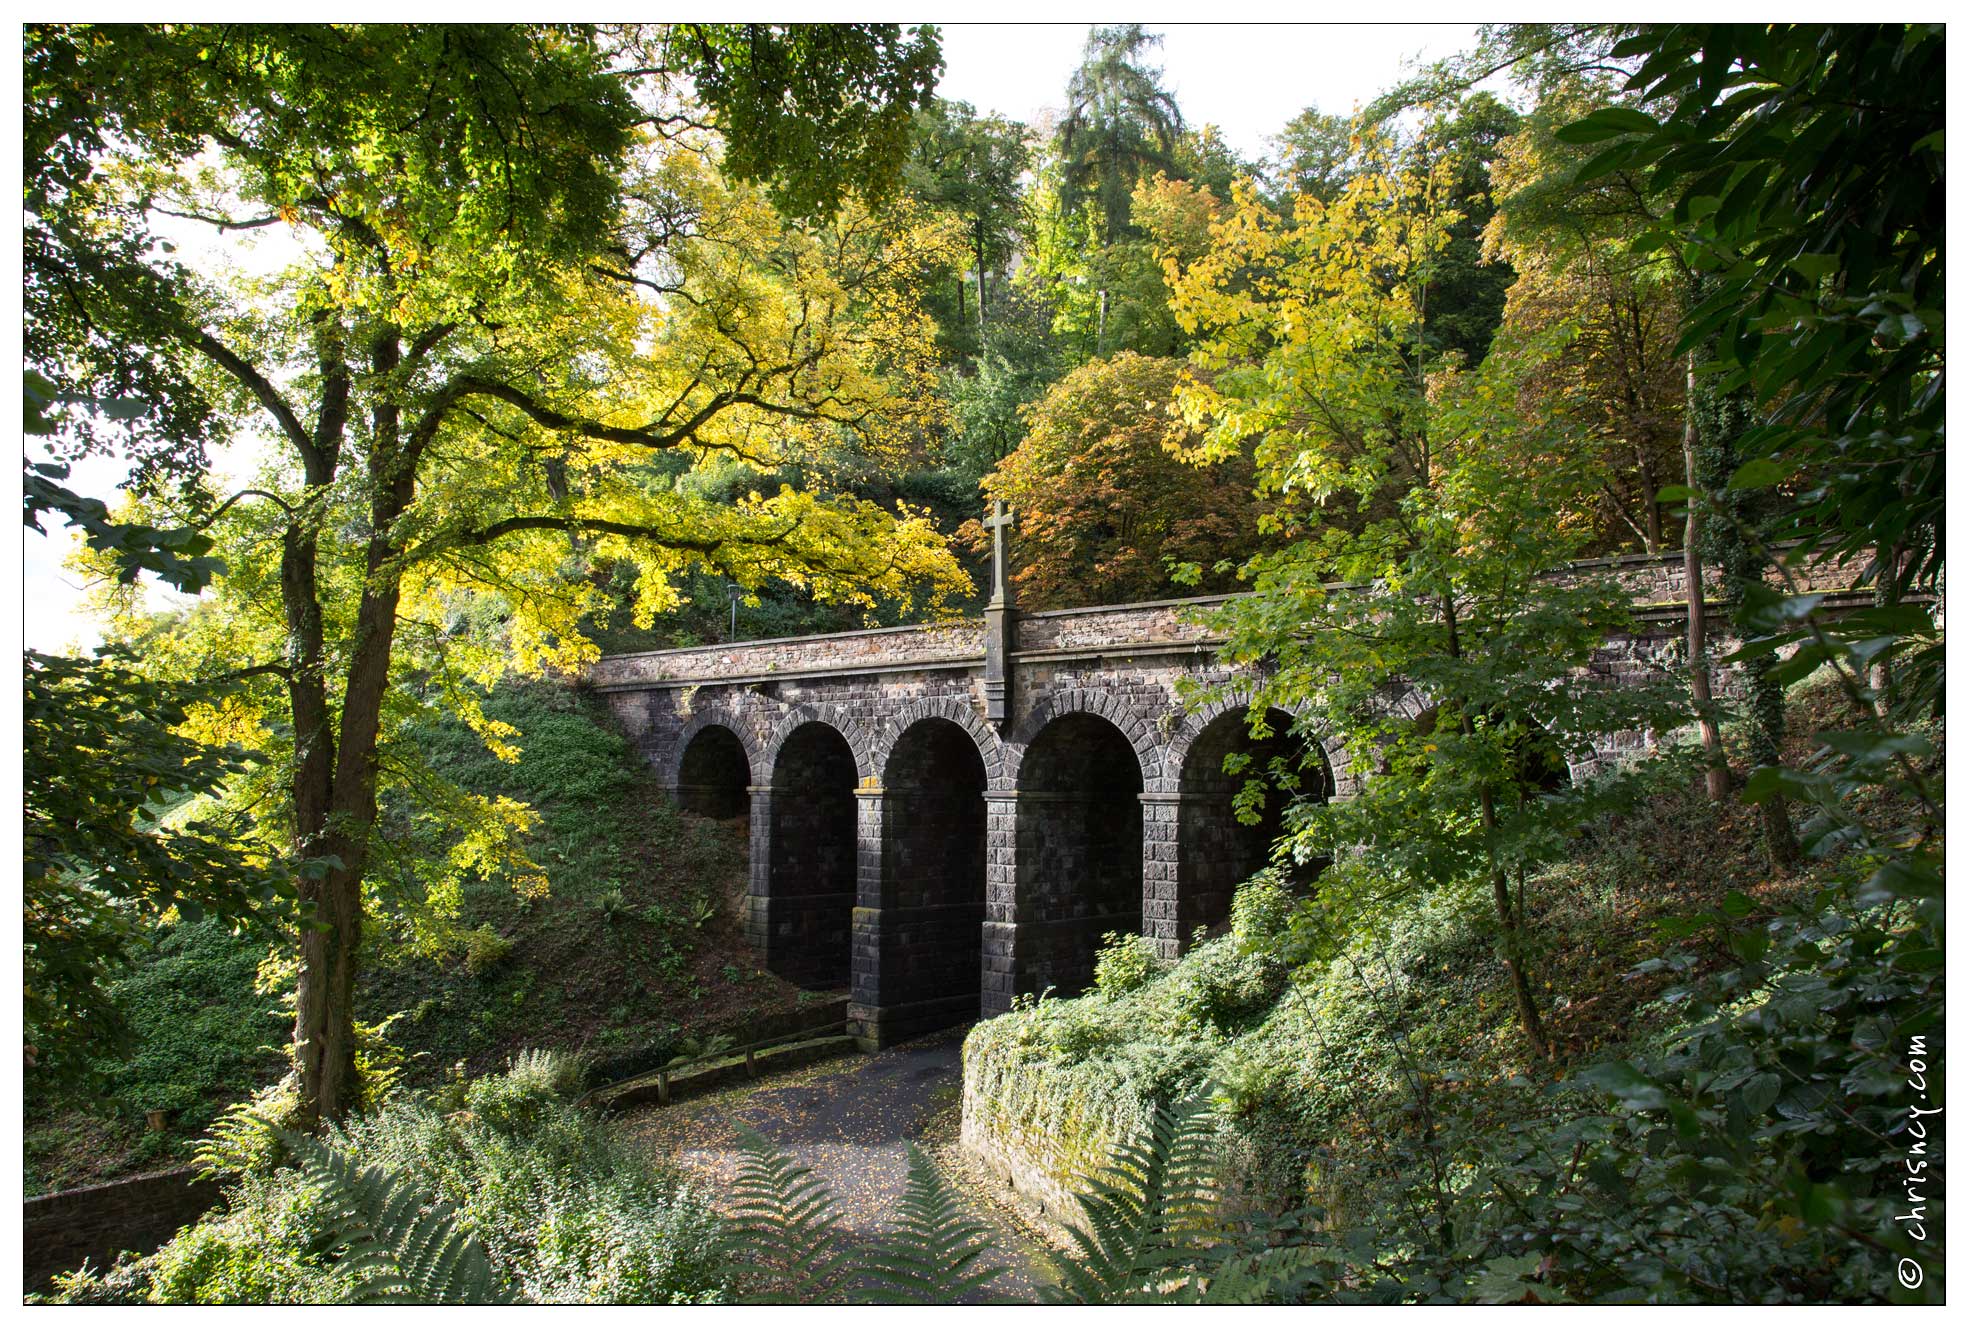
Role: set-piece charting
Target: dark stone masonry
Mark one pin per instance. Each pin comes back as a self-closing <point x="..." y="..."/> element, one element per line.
<point x="95" y="1223"/>
<point x="937" y="864"/>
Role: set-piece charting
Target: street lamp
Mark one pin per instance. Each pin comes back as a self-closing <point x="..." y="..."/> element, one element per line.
<point x="732" y="589"/>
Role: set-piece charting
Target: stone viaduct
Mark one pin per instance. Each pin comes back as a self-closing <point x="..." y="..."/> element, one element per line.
<point x="944" y="816"/>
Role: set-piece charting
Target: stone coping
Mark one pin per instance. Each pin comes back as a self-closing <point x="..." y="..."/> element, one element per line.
<point x="945" y="625"/>
<point x="631" y="671"/>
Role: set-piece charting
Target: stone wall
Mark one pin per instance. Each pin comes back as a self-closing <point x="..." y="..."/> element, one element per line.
<point x="1029" y="1162"/>
<point x="835" y="653"/>
<point x="1653" y="579"/>
<point x="95" y="1223"/>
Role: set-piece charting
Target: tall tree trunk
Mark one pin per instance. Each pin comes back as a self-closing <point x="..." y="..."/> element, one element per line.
<point x="1886" y="594"/>
<point x="1512" y="922"/>
<point x="978" y="231"/>
<point x="1716" y="776"/>
<point x="1720" y="420"/>
<point x="324" y="995"/>
<point x="323" y="903"/>
<point x="325" y="1033"/>
<point x="1766" y="731"/>
<point x="1651" y="486"/>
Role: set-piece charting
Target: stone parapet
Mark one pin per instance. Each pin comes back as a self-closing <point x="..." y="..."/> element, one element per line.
<point x="958" y="643"/>
<point x="1149" y="627"/>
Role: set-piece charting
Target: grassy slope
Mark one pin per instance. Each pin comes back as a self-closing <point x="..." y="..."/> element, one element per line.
<point x="1311" y="1078"/>
<point x="635" y="947"/>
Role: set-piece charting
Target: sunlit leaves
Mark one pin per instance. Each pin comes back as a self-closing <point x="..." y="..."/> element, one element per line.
<point x="1104" y="498"/>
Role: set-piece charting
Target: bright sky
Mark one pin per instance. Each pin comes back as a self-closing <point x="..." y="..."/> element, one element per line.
<point x="1247" y="79"/>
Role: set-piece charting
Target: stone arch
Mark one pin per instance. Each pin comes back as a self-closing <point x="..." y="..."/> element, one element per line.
<point x="811" y="853"/>
<point x="834" y="718"/>
<point x="1580" y="766"/>
<point x="704" y="718"/>
<point x="1178" y="750"/>
<point x="991" y="750"/>
<point x="714" y="774"/>
<point x="1215" y="850"/>
<point x="929" y="898"/>
<point x="1079" y="845"/>
<point x="1137" y="728"/>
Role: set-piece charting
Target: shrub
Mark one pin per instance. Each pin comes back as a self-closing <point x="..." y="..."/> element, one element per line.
<point x="268" y="1248"/>
<point x="1261" y="911"/>
<point x="125" y="1283"/>
<point x="565" y="1212"/>
<point x="1125" y="962"/>
<point x="246" y="1136"/>
<point x="1220" y="987"/>
<point x="516" y="1102"/>
<point x="484" y="949"/>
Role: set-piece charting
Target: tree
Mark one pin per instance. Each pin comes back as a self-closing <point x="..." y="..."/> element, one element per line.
<point x="117" y="826"/>
<point x="1571" y="246"/>
<point x="1015" y="370"/>
<point x="1464" y="301"/>
<point x="523" y="305"/>
<point x="1108" y="510"/>
<point x="1120" y="124"/>
<point x="815" y="112"/>
<point x="1115" y="297"/>
<point x="1805" y="168"/>
<point x="1314" y="154"/>
<point x="1206" y="161"/>
<point x="970" y="165"/>
<point x="1718" y="421"/>
<point x="1624" y="375"/>
<point x="1423" y="506"/>
<point x="1804" y="164"/>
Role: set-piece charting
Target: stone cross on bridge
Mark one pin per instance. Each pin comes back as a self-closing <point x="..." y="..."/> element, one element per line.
<point x="944" y="816"/>
<point x="996" y="523"/>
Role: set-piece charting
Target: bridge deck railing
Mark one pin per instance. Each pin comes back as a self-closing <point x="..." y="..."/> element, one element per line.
<point x="1657" y="581"/>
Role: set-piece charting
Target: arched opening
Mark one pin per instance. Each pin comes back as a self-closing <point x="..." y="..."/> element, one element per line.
<point x="811" y="879"/>
<point x="1079" y="850"/>
<point x="933" y="879"/>
<point x="1217" y="850"/>
<point x="714" y="774"/>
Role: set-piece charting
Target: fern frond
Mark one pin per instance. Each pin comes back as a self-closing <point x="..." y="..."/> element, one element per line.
<point x="398" y="1249"/>
<point x="785" y="1223"/>
<point x="1282" y="1275"/>
<point x="934" y="1256"/>
<point x="1151" y="1212"/>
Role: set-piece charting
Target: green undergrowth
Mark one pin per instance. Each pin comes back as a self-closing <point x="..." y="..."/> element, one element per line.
<point x="199" y="1034"/>
<point x="563" y="1210"/>
<point x="634" y="949"/>
<point x="1717" y="1121"/>
<point x="1307" y="1068"/>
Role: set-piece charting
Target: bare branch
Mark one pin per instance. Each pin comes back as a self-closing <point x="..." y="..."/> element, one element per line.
<point x="255" y="382"/>
<point x="588" y="526"/>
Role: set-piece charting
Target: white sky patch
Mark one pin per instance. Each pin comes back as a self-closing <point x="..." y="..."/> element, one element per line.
<point x="1248" y="79"/>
